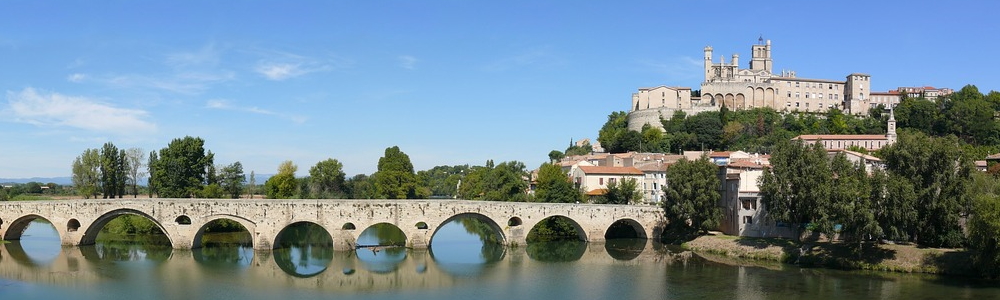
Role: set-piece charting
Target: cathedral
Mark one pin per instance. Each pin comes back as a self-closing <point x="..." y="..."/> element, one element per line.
<point x="726" y="84"/>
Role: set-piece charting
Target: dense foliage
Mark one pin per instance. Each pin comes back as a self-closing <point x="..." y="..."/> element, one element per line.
<point x="181" y="169"/>
<point x="395" y="178"/>
<point x="503" y="182"/>
<point x="692" y="196"/>
<point x="554" y="186"/>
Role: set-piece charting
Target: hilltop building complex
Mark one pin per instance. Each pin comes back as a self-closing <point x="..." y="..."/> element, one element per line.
<point x="726" y="84"/>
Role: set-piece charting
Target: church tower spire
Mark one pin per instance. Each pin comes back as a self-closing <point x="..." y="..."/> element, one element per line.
<point x="890" y="134"/>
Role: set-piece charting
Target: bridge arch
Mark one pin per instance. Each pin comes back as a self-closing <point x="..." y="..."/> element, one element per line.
<point x="581" y="233"/>
<point x="489" y="221"/>
<point x="248" y="225"/>
<point x="17" y="227"/>
<point x="625" y="224"/>
<point x="90" y="235"/>
<point x="284" y="231"/>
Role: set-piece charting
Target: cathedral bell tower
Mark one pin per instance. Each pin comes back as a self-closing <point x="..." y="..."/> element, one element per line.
<point x="761" y="56"/>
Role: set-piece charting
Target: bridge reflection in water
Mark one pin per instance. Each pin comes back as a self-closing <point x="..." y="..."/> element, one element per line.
<point x="328" y="271"/>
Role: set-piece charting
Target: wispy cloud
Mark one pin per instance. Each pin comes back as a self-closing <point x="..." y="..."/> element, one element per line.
<point x="280" y="66"/>
<point x="536" y="57"/>
<point x="56" y="110"/>
<point x="76" y="77"/>
<point x="207" y="56"/>
<point x="407" y="62"/>
<point x="223" y="104"/>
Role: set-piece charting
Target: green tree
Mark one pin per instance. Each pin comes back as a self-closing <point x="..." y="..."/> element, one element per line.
<point x="895" y="203"/>
<point x="554" y="186"/>
<point x="231" y="179"/>
<point x="180" y="169"/>
<point x="625" y="191"/>
<point x="707" y="128"/>
<point x="360" y="187"/>
<point x="252" y="186"/>
<point x="582" y="149"/>
<point x="692" y="195"/>
<point x="796" y="187"/>
<point x="940" y="175"/>
<point x="326" y="179"/>
<point x="113" y="167"/>
<point x="395" y="178"/>
<point x="442" y="180"/>
<point x="615" y="136"/>
<point x="984" y="235"/>
<point x="850" y="197"/>
<point x="504" y="182"/>
<point x="556" y="155"/>
<point x="282" y="185"/>
<point x="87" y="173"/>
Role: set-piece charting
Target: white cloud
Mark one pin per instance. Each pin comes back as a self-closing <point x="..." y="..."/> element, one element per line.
<point x="223" y="104"/>
<point x="76" y="77"/>
<point x="57" y="110"/>
<point x="280" y="66"/>
<point x="407" y="62"/>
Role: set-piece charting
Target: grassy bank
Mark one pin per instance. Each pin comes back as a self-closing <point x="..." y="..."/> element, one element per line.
<point x="893" y="258"/>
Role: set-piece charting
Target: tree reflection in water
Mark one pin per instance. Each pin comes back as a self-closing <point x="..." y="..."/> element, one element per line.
<point x="557" y="251"/>
<point x="304" y="249"/>
<point x="381" y="248"/>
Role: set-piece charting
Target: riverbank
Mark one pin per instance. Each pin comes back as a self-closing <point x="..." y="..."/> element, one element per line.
<point x="876" y="257"/>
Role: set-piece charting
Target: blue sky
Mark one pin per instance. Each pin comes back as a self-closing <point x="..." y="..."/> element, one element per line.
<point x="449" y="82"/>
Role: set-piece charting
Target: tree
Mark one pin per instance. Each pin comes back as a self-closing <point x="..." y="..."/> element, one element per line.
<point x="895" y="203"/>
<point x="231" y="180"/>
<point x="624" y="191"/>
<point x="574" y="149"/>
<point x="556" y="155"/>
<point x="442" y="181"/>
<point x="796" y="187"/>
<point x="113" y="166"/>
<point x="850" y="198"/>
<point x="615" y="136"/>
<point x="554" y="186"/>
<point x="360" y="187"/>
<point x="153" y="158"/>
<point x="136" y="168"/>
<point x="87" y="173"/>
<point x="326" y="179"/>
<point x="940" y="175"/>
<point x="282" y="185"/>
<point x="504" y="182"/>
<point x="180" y="169"/>
<point x="395" y="178"/>
<point x="984" y="235"/>
<point x="252" y="187"/>
<point x="692" y="194"/>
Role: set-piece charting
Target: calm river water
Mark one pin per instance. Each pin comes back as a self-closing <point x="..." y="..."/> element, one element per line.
<point x="457" y="266"/>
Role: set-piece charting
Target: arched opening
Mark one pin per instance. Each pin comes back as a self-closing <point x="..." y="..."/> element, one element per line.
<point x="303" y="249"/>
<point x="514" y="222"/>
<point x="33" y="240"/>
<point x="421" y="225"/>
<point x="1" y="223"/>
<point x="127" y="227"/>
<point x="625" y="229"/>
<point x="625" y="239"/>
<point x="183" y="220"/>
<point x="73" y="225"/>
<point x="348" y="226"/>
<point x="556" y="228"/>
<point x="381" y="247"/>
<point x="223" y="243"/>
<point x="465" y="243"/>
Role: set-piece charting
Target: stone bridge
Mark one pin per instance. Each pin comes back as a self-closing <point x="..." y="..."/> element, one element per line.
<point x="184" y="220"/>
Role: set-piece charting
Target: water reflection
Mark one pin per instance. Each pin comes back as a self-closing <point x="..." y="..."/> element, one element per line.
<point x="39" y="244"/>
<point x="305" y="250"/>
<point x="557" y="251"/>
<point x="380" y="248"/>
<point x="625" y="249"/>
<point x="466" y="246"/>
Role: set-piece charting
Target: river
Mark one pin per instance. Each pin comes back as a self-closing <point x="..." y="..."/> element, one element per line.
<point x="458" y="265"/>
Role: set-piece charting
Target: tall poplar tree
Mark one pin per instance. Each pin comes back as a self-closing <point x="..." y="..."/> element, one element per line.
<point x="395" y="178"/>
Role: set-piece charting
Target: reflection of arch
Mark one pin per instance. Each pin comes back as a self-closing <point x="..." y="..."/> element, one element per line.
<point x="285" y="230"/>
<point x="90" y="236"/>
<point x="248" y="227"/>
<point x="493" y="225"/>
<point x="514" y="222"/>
<point x="20" y="224"/>
<point x="348" y="226"/>
<point x="621" y="228"/>
<point x="625" y="249"/>
<point x="581" y="234"/>
<point x="183" y="220"/>
<point x="72" y="225"/>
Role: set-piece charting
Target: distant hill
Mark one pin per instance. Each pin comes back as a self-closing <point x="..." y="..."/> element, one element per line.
<point x="57" y="180"/>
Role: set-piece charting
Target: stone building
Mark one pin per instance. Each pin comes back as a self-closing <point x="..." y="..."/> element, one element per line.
<point x="726" y="84"/>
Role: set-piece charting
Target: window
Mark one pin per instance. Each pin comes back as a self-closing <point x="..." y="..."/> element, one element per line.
<point x="796" y="104"/>
<point x="611" y="180"/>
<point x="600" y="181"/>
<point x="789" y="94"/>
<point x="807" y="95"/>
<point x="796" y="84"/>
<point x="747" y="220"/>
<point x="820" y="85"/>
<point x="747" y="203"/>
<point x="796" y="94"/>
